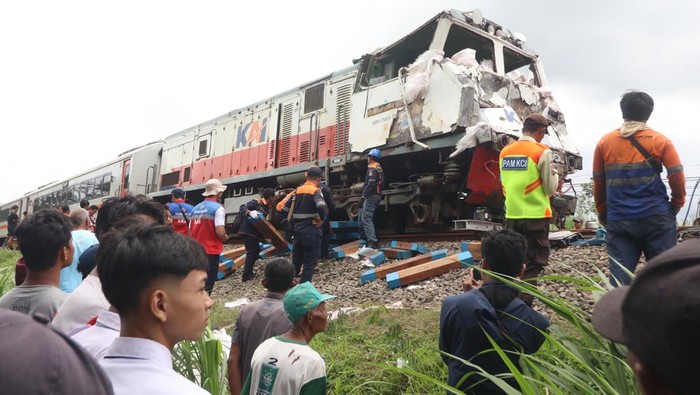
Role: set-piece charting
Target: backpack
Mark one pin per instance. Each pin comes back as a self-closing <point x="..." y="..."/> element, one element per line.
<point x="238" y="221"/>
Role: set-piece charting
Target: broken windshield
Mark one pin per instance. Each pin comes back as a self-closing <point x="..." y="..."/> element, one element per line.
<point x="385" y="64"/>
<point x="460" y="38"/>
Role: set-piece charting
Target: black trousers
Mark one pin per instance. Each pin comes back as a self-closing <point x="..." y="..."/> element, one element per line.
<point x="212" y="272"/>
<point x="252" y="254"/>
<point x="325" y="239"/>
<point x="305" y="254"/>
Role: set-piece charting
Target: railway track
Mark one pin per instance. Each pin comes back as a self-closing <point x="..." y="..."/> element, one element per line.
<point x="423" y="237"/>
<point x="459" y="235"/>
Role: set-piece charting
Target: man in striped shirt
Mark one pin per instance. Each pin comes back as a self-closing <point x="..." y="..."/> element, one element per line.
<point x="630" y="196"/>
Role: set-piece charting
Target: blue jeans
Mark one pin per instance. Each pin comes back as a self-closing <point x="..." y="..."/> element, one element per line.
<point x="627" y="239"/>
<point x="305" y="253"/>
<point x="367" y="219"/>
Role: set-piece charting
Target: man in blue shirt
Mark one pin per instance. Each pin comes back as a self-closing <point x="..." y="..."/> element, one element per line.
<point x="82" y="240"/>
<point x="492" y="308"/>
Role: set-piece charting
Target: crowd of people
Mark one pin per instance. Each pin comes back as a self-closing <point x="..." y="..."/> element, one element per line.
<point x="113" y="289"/>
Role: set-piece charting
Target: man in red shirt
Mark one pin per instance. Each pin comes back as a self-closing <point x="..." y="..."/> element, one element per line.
<point x="207" y="226"/>
<point x="180" y="211"/>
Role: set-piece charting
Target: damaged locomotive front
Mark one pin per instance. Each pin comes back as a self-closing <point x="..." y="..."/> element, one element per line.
<point x="440" y="104"/>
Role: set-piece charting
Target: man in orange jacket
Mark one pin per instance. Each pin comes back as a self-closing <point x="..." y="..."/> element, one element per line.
<point x="630" y="197"/>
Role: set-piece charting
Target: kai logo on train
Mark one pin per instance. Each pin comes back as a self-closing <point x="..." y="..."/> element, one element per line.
<point x="252" y="133"/>
<point x="514" y="163"/>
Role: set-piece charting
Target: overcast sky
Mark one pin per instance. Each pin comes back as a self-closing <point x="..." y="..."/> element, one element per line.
<point x="82" y="81"/>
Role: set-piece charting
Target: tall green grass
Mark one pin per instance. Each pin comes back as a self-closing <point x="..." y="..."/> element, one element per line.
<point x="360" y="350"/>
<point x="203" y="362"/>
<point x="573" y="360"/>
<point x="7" y="269"/>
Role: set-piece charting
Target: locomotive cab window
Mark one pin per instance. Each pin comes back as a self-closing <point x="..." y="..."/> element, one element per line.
<point x="203" y="148"/>
<point x="384" y="65"/>
<point x="460" y="38"/>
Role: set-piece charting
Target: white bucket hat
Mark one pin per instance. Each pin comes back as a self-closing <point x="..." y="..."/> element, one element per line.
<point x="213" y="187"/>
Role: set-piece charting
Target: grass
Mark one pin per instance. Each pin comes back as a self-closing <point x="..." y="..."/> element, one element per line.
<point x="222" y="317"/>
<point x="394" y="351"/>
<point x="360" y="350"/>
<point x="203" y="362"/>
<point x="7" y="269"/>
<point x="574" y="358"/>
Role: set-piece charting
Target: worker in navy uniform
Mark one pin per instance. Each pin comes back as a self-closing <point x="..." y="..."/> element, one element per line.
<point x="371" y="196"/>
<point x="249" y="234"/>
<point x="308" y="211"/>
<point x="326" y="237"/>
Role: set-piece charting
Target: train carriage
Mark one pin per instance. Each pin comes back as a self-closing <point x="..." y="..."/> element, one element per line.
<point x="134" y="171"/>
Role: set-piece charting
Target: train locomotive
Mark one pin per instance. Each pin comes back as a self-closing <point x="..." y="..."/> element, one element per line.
<point x="439" y="104"/>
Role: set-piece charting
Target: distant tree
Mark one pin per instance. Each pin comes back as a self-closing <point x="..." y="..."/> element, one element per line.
<point x="585" y="207"/>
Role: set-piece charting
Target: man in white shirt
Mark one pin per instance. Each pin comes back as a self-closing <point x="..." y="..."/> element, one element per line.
<point x="87" y="301"/>
<point x="96" y="339"/>
<point x="286" y="365"/>
<point x="156" y="279"/>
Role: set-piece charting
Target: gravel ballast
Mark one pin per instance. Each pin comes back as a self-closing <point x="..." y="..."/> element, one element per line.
<point x="342" y="278"/>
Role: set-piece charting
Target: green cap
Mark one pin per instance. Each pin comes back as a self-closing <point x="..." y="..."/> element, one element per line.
<point x="301" y="299"/>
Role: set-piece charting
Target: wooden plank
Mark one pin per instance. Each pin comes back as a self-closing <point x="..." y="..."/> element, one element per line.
<point x="238" y="262"/>
<point x="344" y="236"/>
<point x="269" y="232"/>
<point x="221" y="275"/>
<point x="232" y="253"/>
<point x="427" y="270"/>
<point x="344" y="224"/>
<point x="382" y="271"/>
<point x="232" y="265"/>
<point x="404" y="245"/>
<point x="347" y="249"/>
<point x="395" y="253"/>
<point x="376" y="257"/>
<point x="268" y="252"/>
<point x="227" y="264"/>
<point x="474" y="247"/>
<point x="264" y="246"/>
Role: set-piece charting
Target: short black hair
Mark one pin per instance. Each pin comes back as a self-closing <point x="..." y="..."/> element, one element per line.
<point x="84" y="204"/>
<point x="114" y="209"/>
<point x="636" y="106"/>
<point x="504" y="251"/>
<point x="15" y="207"/>
<point x="532" y="128"/>
<point x="133" y="256"/>
<point x="268" y="193"/>
<point x="41" y="237"/>
<point x="93" y="207"/>
<point x="65" y="209"/>
<point x="279" y="274"/>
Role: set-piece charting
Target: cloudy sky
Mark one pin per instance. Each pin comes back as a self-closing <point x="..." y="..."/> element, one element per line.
<point x="82" y="81"/>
